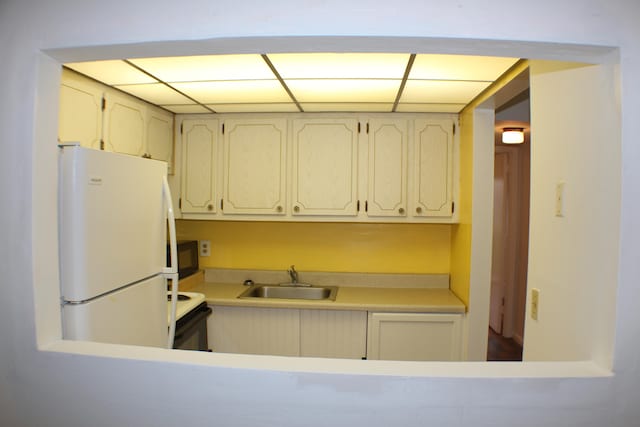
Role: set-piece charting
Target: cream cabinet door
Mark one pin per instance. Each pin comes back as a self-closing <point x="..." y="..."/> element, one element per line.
<point x="199" y="165"/>
<point x="251" y="330"/>
<point x="387" y="171"/>
<point x="80" y="117"/>
<point x="124" y="125"/>
<point x="159" y="144"/>
<point x="433" y="168"/>
<point x="414" y="336"/>
<point x="255" y="166"/>
<point x="325" y="167"/>
<point x="333" y="333"/>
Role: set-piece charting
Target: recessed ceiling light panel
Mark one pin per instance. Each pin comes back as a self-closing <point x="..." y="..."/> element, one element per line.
<point x="114" y="72"/>
<point x="235" y="92"/>
<point x="340" y="65"/>
<point x="459" y="67"/>
<point x="206" y="68"/>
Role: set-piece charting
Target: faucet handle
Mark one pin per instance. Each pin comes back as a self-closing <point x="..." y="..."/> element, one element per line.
<point x="293" y="274"/>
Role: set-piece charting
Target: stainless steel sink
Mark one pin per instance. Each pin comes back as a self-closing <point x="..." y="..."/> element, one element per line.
<point x="286" y="291"/>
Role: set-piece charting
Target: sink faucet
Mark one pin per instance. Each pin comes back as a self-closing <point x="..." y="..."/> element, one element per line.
<point x="293" y="274"/>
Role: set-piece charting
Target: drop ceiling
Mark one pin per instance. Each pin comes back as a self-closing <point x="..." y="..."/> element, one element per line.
<point x="302" y="82"/>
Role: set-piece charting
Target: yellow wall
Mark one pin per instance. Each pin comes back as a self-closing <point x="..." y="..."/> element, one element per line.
<point x="344" y="247"/>
<point x="460" y="277"/>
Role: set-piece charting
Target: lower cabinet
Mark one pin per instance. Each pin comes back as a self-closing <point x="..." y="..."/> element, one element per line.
<point x="288" y="332"/>
<point x="414" y="336"/>
<point x="248" y="330"/>
<point x="335" y="333"/>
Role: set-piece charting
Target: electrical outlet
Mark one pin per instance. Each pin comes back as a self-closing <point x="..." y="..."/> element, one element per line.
<point x="535" y="301"/>
<point x="205" y="247"/>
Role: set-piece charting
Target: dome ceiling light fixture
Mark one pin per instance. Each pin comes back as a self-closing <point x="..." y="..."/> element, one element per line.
<point x="512" y="135"/>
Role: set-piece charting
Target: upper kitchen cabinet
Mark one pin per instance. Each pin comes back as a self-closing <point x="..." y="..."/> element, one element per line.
<point x="387" y="168"/>
<point x="124" y="125"/>
<point x="433" y="168"/>
<point x="100" y="117"/>
<point x="160" y="135"/>
<point x="255" y="166"/>
<point x="325" y="167"/>
<point x="308" y="167"/>
<point x="199" y="165"/>
<point x="133" y="127"/>
<point x="80" y="111"/>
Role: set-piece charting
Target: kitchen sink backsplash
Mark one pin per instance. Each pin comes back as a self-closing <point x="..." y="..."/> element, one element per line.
<point x="382" y="280"/>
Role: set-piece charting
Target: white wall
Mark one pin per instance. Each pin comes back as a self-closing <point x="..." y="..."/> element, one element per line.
<point x="142" y="388"/>
<point x="573" y="257"/>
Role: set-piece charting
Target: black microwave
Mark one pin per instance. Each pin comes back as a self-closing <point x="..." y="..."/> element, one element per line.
<point x="187" y="257"/>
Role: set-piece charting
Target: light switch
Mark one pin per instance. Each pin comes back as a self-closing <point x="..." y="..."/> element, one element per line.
<point x="535" y="300"/>
<point x="560" y="199"/>
<point x="205" y="247"/>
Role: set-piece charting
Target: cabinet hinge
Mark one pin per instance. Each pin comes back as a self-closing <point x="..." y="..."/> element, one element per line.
<point x="104" y="104"/>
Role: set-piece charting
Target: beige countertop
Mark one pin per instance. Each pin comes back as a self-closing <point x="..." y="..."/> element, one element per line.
<point x="348" y="298"/>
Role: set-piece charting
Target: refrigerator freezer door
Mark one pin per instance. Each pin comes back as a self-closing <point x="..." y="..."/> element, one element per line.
<point x="135" y="315"/>
<point x="112" y="221"/>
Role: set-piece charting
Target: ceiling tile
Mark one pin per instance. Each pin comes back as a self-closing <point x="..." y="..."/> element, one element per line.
<point x="340" y="65"/>
<point x="344" y="90"/>
<point x="459" y="67"/>
<point x="441" y="92"/>
<point x="156" y="93"/>
<point x="347" y="107"/>
<point x="255" y="108"/>
<point x="114" y="72"/>
<point x="235" y="92"/>
<point x="207" y="67"/>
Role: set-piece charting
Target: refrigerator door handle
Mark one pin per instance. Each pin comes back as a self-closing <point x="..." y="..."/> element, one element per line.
<point x="172" y="267"/>
<point x="170" y="272"/>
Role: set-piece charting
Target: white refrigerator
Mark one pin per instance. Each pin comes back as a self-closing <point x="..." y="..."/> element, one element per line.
<point x="114" y="212"/>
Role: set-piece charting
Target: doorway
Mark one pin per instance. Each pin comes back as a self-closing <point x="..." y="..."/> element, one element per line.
<point x="510" y="233"/>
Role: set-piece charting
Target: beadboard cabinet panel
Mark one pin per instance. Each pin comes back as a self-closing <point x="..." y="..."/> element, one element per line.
<point x="333" y="333"/>
<point x="251" y="330"/>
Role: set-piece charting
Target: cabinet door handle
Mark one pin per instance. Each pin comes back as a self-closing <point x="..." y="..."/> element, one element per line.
<point x="296" y="209"/>
<point x="209" y="207"/>
<point x="418" y="210"/>
<point x="279" y="209"/>
<point x="401" y="211"/>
